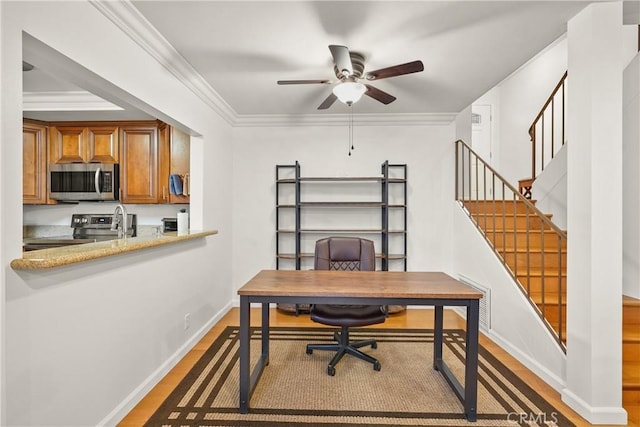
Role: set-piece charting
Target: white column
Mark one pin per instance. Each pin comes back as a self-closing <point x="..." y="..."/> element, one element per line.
<point x="594" y="216"/>
<point x="631" y="180"/>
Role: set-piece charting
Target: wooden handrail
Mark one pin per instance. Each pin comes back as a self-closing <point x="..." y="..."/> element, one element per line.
<point x="548" y="101"/>
<point x="526" y="201"/>
<point x="488" y="199"/>
<point x="540" y="118"/>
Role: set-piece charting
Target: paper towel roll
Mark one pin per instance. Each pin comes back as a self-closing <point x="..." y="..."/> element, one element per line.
<point x="183" y="222"/>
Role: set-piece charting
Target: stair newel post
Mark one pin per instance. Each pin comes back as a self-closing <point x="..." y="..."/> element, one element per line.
<point x="528" y="252"/>
<point x="297" y="218"/>
<point x="385" y="215"/>
<point x="532" y="132"/>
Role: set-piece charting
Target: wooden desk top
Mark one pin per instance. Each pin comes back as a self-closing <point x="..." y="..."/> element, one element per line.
<point x="389" y="284"/>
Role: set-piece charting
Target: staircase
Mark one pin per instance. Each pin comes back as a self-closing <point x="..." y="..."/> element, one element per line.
<point x="631" y="356"/>
<point x="532" y="252"/>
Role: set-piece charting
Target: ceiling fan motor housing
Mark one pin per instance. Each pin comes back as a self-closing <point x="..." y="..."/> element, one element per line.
<point x="357" y="63"/>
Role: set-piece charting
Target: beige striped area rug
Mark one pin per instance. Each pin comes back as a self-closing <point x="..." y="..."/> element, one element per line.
<point x="295" y="390"/>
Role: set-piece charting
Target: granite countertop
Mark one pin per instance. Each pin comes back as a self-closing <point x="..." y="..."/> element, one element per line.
<point x="66" y="255"/>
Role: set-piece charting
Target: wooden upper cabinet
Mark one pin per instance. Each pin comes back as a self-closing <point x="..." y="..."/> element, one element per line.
<point x="102" y="144"/>
<point x="174" y="147"/>
<point x="83" y="144"/>
<point x="139" y="164"/>
<point x="67" y="144"/>
<point x="34" y="163"/>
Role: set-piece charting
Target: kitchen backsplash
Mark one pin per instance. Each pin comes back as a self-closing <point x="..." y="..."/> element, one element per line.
<point x="60" y="215"/>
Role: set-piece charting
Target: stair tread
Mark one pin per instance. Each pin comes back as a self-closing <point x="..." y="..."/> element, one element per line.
<point x="532" y="251"/>
<point x="630" y="301"/>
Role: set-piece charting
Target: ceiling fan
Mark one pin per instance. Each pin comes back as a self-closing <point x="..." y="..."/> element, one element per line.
<point x="349" y="69"/>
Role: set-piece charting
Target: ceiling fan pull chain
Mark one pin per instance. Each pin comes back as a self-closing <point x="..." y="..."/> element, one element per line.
<point x="351" y="147"/>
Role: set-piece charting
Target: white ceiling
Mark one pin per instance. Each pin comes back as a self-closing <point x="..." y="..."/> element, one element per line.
<point x="242" y="48"/>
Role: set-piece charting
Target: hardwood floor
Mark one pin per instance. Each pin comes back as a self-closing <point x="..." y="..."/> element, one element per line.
<point x="413" y="318"/>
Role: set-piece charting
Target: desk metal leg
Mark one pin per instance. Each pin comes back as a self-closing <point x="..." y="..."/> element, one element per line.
<point x="471" y="364"/>
<point x="437" y="337"/>
<point x="265" y="333"/>
<point x="245" y="343"/>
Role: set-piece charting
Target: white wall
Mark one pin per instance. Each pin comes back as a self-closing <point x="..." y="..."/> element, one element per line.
<point x="550" y="189"/>
<point x="322" y="151"/>
<point x="515" y="326"/>
<point x="82" y="343"/>
<point x="521" y="96"/>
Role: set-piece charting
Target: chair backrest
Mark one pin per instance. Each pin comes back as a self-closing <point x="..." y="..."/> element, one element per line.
<point x="345" y="253"/>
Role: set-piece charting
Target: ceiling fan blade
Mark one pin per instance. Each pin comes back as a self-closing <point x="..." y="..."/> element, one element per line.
<point x="396" y="70"/>
<point x="303" y="82"/>
<point x="379" y="95"/>
<point x="328" y="102"/>
<point x="342" y="59"/>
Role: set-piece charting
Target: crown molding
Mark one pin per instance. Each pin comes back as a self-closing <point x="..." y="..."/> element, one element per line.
<point x="66" y="101"/>
<point x="381" y="119"/>
<point x="125" y="15"/>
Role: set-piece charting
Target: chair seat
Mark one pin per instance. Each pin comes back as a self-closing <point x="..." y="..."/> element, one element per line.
<point x="347" y="315"/>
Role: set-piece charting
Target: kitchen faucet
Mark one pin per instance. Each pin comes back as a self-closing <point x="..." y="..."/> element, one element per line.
<point x="117" y="221"/>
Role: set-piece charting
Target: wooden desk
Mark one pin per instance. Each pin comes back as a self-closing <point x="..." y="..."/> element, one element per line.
<point x="362" y="287"/>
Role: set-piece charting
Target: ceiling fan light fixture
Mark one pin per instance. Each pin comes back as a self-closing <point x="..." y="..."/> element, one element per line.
<point x="349" y="92"/>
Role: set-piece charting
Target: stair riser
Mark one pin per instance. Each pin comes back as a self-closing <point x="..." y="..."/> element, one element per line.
<point x="518" y="240"/>
<point x="510" y="222"/>
<point x="631" y="352"/>
<point x="497" y="206"/>
<point x="534" y="285"/>
<point x="631" y="315"/>
<point x="630" y="397"/>
<point x="536" y="260"/>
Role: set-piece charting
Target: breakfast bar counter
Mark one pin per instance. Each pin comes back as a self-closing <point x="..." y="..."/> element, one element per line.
<point x="66" y="255"/>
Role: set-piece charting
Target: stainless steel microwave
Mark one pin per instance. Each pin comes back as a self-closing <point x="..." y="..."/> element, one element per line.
<point x="84" y="181"/>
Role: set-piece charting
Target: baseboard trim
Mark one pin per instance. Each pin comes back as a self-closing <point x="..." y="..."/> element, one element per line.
<point x="595" y="415"/>
<point x="547" y="376"/>
<point x="121" y="410"/>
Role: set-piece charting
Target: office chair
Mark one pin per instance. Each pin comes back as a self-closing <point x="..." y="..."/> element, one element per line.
<point x="346" y="254"/>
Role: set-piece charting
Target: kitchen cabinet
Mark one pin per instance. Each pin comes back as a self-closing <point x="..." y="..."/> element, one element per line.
<point x="83" y="143"/>
<point x="139" y="163"/>
<point x="34" y="162"/>
<point x="174" y="146"/>
<point x="148" y="153"/>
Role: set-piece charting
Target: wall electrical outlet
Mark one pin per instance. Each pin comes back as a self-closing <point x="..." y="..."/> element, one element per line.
<point x="187" y="321"/>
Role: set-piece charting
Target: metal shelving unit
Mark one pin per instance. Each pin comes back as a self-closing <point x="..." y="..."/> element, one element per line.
<point x="290" y="205"/>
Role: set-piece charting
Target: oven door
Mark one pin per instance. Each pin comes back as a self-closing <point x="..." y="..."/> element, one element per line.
<point x="34" y="243"/>
<point x="79" y="181"/>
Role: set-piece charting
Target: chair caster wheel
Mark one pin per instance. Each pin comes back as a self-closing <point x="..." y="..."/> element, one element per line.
<point x="376" y="366"/>
<point x="374" y="345"/>
<point x="331" y="371"/>
<point x="309" y="351"/>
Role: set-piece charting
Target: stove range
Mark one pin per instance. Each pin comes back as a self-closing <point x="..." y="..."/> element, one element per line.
<point x="87" y="228"/>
